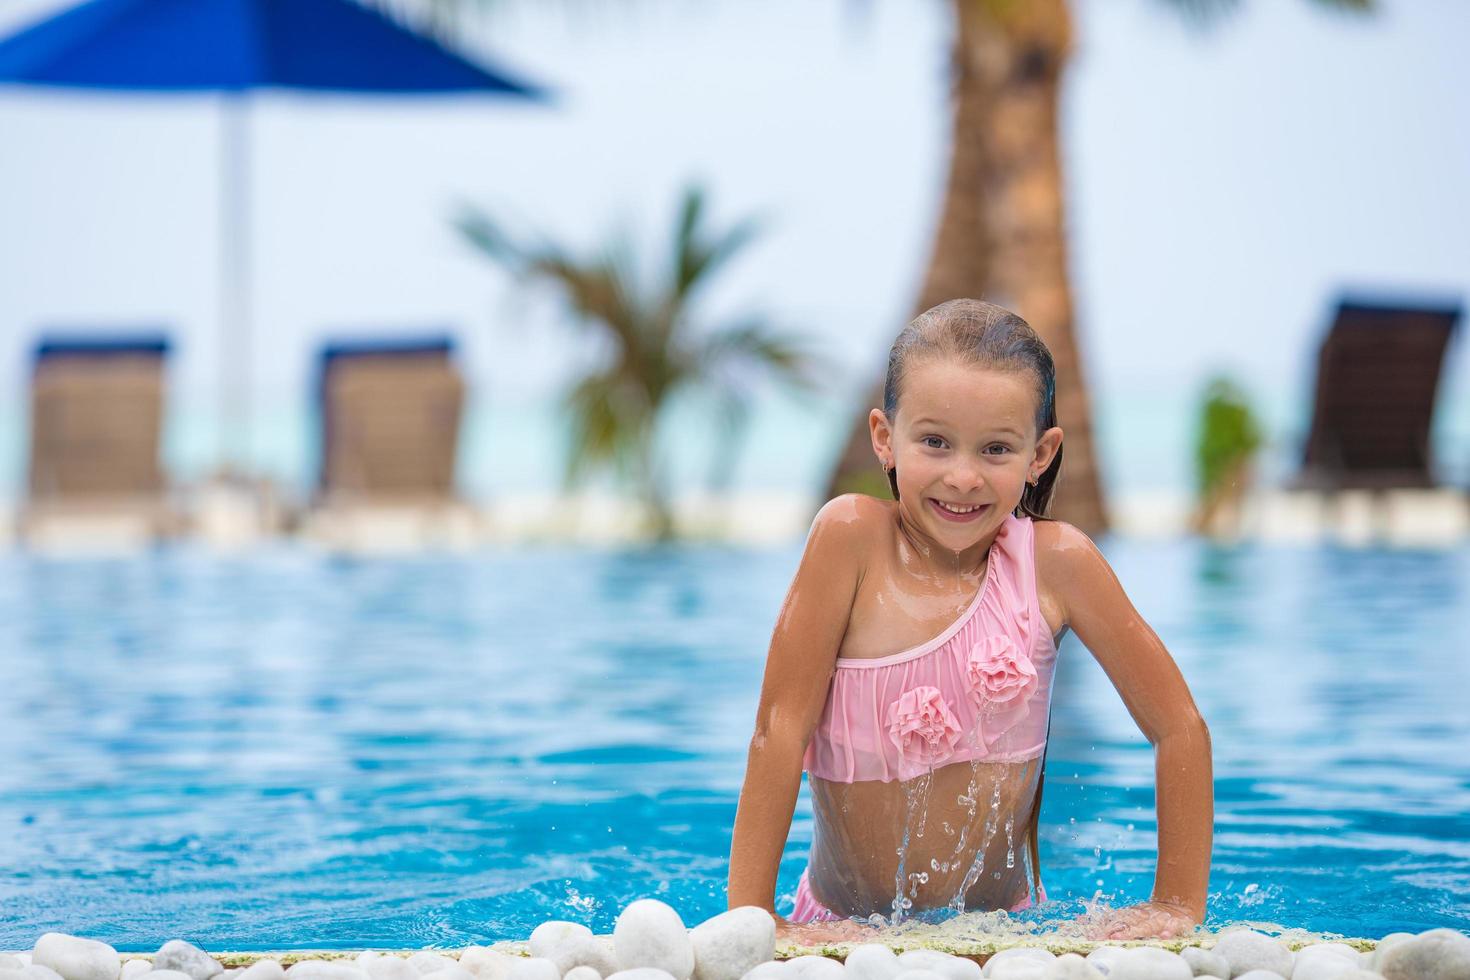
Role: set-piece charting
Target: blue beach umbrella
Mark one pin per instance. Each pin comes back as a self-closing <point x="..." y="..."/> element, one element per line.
<point x="235" y="47"/>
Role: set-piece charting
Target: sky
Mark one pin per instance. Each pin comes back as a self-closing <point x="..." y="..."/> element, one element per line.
<point x="1224" y="187"/>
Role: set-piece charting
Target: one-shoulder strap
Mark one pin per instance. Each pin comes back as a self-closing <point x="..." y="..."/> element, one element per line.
<point x="1015" y="591"/>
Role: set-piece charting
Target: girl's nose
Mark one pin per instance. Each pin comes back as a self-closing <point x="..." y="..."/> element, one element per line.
<point x="964" y="478"/>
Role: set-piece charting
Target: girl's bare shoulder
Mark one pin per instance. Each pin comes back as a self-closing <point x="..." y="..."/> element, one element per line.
<point x="854" y="523"/>
<point x="1065" y="557"/>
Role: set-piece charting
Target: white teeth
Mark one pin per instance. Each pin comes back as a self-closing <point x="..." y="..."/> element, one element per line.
<point x="958" y="510"/>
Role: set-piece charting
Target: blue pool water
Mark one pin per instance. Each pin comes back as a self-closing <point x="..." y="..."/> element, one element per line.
<point x="289" y="750"/>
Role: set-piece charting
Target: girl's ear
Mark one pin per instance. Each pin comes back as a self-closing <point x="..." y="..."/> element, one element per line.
<point x="882" y="436"/>
<point x="1046" y="449"/>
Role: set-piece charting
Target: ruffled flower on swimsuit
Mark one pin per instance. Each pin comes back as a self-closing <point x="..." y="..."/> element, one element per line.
<point x="1002" y="681"/>
<point x="923" y="728"/>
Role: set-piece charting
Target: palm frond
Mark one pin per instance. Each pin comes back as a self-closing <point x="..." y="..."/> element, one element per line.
<point x="614" y="412"/>
<point x="695" y="259"/>
<point x="486" y="235"/>
<point x="599" y="291"/>
<point x="609" y="417"/>
<point x="1205" y="13"/>
<point x="752" y="344"/>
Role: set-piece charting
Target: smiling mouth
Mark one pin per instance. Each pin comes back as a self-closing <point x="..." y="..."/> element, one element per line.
<point x="974" y="512"/>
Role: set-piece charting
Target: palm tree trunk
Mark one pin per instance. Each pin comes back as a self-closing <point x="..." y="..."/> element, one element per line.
<point x="657" y="510"/>
<point x="1002" y="233"/>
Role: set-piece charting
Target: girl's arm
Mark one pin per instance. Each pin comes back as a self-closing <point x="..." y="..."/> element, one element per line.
<point x="799" y="667"/>
<point x="1154" y="691"/>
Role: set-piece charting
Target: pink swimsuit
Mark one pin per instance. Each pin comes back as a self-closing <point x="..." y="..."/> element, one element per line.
<point x="981" y="690"/>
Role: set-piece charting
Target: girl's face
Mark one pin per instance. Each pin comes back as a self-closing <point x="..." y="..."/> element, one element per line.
<point x="964" y="440"/>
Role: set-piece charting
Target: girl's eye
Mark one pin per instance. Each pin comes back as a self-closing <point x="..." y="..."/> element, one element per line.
<point x="931" y="440"/>
<point x="1003" y="449"/>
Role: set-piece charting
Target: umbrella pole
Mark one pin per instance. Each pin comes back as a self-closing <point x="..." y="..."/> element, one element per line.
<point x="234" y="278"/>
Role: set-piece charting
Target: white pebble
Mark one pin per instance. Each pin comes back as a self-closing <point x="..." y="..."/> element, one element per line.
<point x="1205" y="962"/>
<point x="570" y="944"/>
<point x="1261" y="975"/>
<point x="76" y="959"/>
<point x="534" y="968"/>
<point x="1041" y="957"/>
<point x="917" y="974"/>
<point x="815" y="968"/>
<point x="8" y="962"/>
<point x="326" y="970"/>
<point x="651" y="934"/>
<point x="1361" y="975"/>
<point x="1070" y="966"/>
<point x="1104" y="958"/>
<point x="186" y="958"/>
<point x="13" y="973"/>
<point x="1437" y="954"/>
<point x="1246" y="950"/>
<point x="872" y="961"/>
<point x="729" y="945"/>
<point x="427" y="962"/>
<point x="266" y="969"/>
<point x="1384" y="945"/>
<point x="1019" y="968"/>
<point x="451" y="972"/>
<point x="1326" y="964"/>
<point x="581" y="973"/>
<point x="642" y="973"/>
<point x="132" y="969"/>
<point x="774" y="970"/>
<point x="38" y="971"/>
<point x="487" y="964"/>
<point x="168" y="975"/>
<point x="1150" y="963"/>
<point x="386" y="968"/>
<point x="952" y="967"/>
<point x="552" y="933"/>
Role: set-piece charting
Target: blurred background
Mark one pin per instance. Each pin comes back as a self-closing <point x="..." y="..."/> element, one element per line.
<point x="341" y="336"/>
<point x="1228" y="177"/>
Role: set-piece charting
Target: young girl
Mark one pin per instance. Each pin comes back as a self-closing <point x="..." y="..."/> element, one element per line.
<point x="910" y="670"/>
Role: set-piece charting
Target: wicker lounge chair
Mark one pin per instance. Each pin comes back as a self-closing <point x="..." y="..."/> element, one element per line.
<point x="1377" y="378"/>
<point x="390" y="422"/>
<point x="96" y="418"/>
<point x="390" y="414"/>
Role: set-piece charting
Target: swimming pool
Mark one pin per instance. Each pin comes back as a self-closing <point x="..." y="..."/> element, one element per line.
<point x="286" y="750"/>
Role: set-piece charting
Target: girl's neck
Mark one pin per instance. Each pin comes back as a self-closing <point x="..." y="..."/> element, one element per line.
<point x="927" y="558"/>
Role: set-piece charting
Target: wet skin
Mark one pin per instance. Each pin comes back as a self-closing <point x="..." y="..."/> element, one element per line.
<point x="965" y="822"/>
<point x="881" y="576"/>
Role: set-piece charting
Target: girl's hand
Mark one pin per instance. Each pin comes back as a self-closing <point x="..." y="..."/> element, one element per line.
<point x="1148" y="920"/>
<point x="821" y="933"/>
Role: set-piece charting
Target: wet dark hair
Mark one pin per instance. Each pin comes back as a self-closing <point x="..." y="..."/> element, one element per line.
<point x="983" y="335"/>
